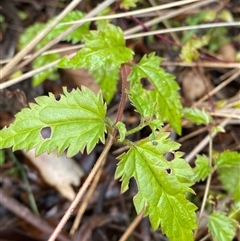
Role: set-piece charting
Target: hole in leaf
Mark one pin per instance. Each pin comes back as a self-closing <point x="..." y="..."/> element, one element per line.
<point x="154" y="143"/>
<point x="169" y="156"/>
<point x="146" y="84"/>
<point x="169" y="171"/>
<point x="46" y="132"/>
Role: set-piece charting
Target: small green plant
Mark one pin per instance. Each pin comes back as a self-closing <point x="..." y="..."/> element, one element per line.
<point x="78" y="121"/>
<point x="213" y="38"/>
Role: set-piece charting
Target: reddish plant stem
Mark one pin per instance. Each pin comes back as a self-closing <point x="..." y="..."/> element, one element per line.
<point x="159" y="36"/>
<point x="167" y="40"/>
<point x="124" y="72"/>
<point x="125" y="69"/>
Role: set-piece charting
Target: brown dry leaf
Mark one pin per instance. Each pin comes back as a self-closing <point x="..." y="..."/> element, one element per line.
<point x="79" y="77"/>
<point x="192" y="86"/>
<point x="60" y="172"/>
<point x="227" y="52"/>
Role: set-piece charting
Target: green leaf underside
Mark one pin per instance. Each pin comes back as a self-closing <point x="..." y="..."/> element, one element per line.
<point x="162" y="186"/>
<point x="197" y="116"/>
<point x="76" y="121"/>
<point x="165" y="95"/>
<point x="202" y="168"/>
<point x="103" y="49"/>
<point x="107" y="81"/>
<point x="221" y="226"/>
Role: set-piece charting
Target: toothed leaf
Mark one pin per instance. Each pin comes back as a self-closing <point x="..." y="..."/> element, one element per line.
<point x="197" y="116"/>
<point x="103" y="49"/>
<point x="222" y="227"/>
<point x="202" y="168"/>
<point x="162" y="186"/>
<point x="165" y="93"/>
<point x="76" y="121"/>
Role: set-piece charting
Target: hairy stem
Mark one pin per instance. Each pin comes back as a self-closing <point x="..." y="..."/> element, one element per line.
<point x="124" y="73"/>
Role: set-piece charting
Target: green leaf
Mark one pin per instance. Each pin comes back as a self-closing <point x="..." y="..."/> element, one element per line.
<point x="222" y="227"/>
<point x="76" y="121"/>
<point x="218" y="37"/>
<point x="217" y="129"/>
<point x="2" y="157"/>
<point x="75" y="36"/>
<point x="166" y="99"/>
<point x="128" y="3"/>
<point x="34" y="30"/>
<point x="140" y="99"/>
<point x="103" y="49"/>
<point x="107" y="81"/>
<point x="197" y="116"/>
<point x="226" y="16"/>
<point x="162" y="185"/>
<point x="29" y="34"/>
<point x="189" y="51"/>
<point x="50" y="73"/>
<point x="228" y="159"/>
<point x="228" y="168"/>
<point x="230" y="180"/>
<point x="122" y="130"/>
<point x="103" y="23"/>
<point x="202" y="168"/>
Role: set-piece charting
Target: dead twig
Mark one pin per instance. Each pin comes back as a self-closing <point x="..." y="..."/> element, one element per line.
<point x="24" y="213"/>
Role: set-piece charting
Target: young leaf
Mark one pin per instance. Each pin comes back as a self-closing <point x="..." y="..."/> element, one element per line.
<point x="222" y="227"/>
<point x="202" y="168"/>
<point x="189" y="51"/>
<point x="128" y="3"/>
<point x="165" y="94"/>
<point x="140" y="99"/>
<point x="76" y="121"/>
<point x="162" y="186"/>
<point x="103" y="49"/>
<point x="122" y="130"/>
<point x="197" y="116"/>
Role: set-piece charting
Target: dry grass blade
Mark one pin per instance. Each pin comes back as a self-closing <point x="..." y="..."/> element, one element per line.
<point x="7" y="69"/>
